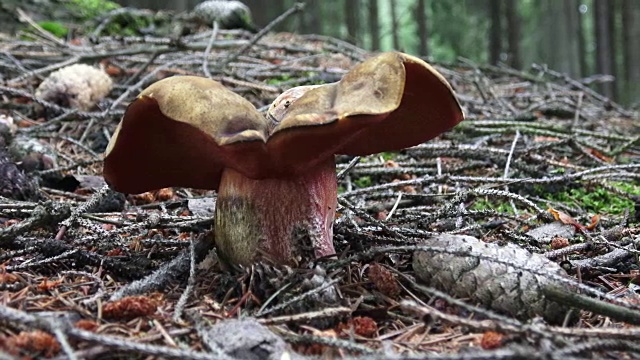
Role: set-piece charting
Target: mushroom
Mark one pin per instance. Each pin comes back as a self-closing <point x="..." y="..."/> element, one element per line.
<point x="275" y="177"/>
<point x="230" y="14"/>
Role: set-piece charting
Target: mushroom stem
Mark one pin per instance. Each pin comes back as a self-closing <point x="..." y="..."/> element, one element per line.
<point x="279" y="219"/>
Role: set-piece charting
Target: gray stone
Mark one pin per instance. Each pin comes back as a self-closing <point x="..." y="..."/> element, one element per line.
<point x="247" y="339"/>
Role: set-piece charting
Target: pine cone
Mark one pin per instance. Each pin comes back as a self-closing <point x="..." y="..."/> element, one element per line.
<point x="514" y="291"/>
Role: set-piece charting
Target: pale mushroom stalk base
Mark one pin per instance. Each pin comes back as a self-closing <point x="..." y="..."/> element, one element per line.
<point x="278" y="220"/>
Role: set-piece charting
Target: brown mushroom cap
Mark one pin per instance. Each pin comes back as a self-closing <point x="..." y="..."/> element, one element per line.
<point x="182" y="131"/>
<point x="427" y="109"/>
<point x="389" y="102"/>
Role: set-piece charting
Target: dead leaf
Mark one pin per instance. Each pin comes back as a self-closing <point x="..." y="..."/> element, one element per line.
<point x="47" y="285"/>
<point x="491" y="340"/>
<point x="594" y="221"/>
<point x="566" y="219"/>
<point x="600" y="155"/>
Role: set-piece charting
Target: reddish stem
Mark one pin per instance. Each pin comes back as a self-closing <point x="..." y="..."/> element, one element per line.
<point x="280" y="219"/>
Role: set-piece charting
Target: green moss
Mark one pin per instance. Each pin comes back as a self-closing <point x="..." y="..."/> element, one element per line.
<point x="388" y="155"/>
<point x="123" y="24"/>
<point x="598" y="200"/>
<point x="363" y="182"/>
<point x="127" y="25"/>
<point x="279" y="79"/>
<point x="499" y="206"/>
<point x="55" y="28"/>
<point x="89" y="9"/>
<point x="82" y="11"/>
<point x="631" y="188"/>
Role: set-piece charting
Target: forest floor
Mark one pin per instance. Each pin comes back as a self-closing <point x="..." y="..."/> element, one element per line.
<point x="541" y="162"/>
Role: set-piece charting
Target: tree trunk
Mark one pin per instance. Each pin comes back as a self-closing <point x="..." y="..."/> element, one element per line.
<point x="309" y="20"/>
<point x="614" y="12"/>
<point x="572" y="20"/>
<point x="352" y="13"/>
<point x="604" y="47"/>
<point x="582" y="43"/>
<point x="278" y="7"/>
<point x="263" y="14"/>
<point x="559" y="43"/>
<point x="555" y="37"/>
<point x="374" y="25"/>
<point x="273" y="10"/>
<point x="495" y="32"/>
<point x="394" y="25"/>
<point x="570" y="32"/>
<point x="260" y="16"/>
<point x="421" y="20"/>
<point x="631" y="50"/>
<point x="513" y="33"/>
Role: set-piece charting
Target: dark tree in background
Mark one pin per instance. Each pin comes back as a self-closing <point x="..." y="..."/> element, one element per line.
<point x="374" y="24"/>
<point x="505" y="26"/>
<point x="313" y="17"/>
<point x="421" y="22"/>
<point x="310" y="21"/>
<point x="560" y="45"/>
<point x="580" y="36"/>
<point x="265" y="11"/>
<point x="513" y="33"/>
<point x="259" y="17"/>
<point x="495" y="32"/>
<point x="352" y="13"/>
<point x="571" y="35"/>
<point x="631" y="49"/>
<point x="394" y="25"/>
<point x="604" y="34"/>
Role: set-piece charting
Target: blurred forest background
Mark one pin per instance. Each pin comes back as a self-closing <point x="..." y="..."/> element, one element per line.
<point x="597" y="41"/>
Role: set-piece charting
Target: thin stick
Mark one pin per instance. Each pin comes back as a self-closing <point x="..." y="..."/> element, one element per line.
<point x="395" y="206"/>
<point x="207" y="51"/>
<point x="191" y="282"/>
<point x="508" y="164"/>
<point x="350" y="166"/>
